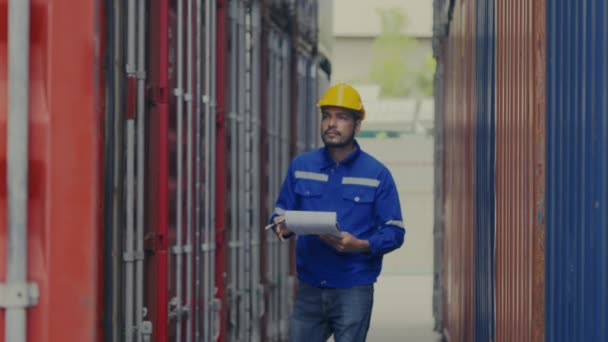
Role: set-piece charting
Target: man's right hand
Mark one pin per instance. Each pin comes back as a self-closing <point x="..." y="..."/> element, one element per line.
<point x="281" y="229"/>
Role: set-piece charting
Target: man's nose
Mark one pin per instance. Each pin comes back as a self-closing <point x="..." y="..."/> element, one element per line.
<point x="333" y="122"/>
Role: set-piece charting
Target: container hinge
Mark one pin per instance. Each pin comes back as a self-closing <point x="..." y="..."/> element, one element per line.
<point x="140" y="75"/>
<point x="154" y="242"/>
<point x="177" y="309"/>
<point x="207" y="247"/>
<point x="133" y="256"/>
<point x="18" y="295"/>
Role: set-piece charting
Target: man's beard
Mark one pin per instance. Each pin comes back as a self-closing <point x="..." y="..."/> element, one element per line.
<point x="344" y="143"/>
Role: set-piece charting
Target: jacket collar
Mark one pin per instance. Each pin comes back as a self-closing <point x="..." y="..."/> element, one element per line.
<point x="328" y="162"/>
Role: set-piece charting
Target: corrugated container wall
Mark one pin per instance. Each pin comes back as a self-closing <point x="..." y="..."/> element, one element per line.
<point x="157" y="211"/>
<point x="459" y="172"/>
<point x="158" y="135"/>
<point x="517" y="143"/>
<point x="485" y="119"/>
<point x="577" y="160"/>
<point x="541" y="142"/>
<point x="494" y="171"/>
<point x="539" y="42"/>
<point x="53" y="165"/>
<point x="440" y="29"/>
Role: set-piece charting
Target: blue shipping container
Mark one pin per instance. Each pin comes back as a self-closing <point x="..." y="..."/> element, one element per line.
<point x="577" y="171"/>
<point x="484" y="171"/>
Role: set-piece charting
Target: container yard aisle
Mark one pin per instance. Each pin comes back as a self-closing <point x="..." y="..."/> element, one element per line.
<point x="403" y="293"/>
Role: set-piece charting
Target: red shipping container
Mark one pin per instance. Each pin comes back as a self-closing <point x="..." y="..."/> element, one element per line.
<point x="65" y="164"/>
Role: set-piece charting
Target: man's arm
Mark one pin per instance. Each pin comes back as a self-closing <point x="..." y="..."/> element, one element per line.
<point x="388" y="217"/>
<point x="347" y="243"/>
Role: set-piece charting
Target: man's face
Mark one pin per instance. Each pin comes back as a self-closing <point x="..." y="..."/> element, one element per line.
<point x="338" y="126"/>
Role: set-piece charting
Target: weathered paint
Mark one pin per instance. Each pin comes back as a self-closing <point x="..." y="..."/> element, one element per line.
<point x="516" y="177"/>
<point x="440" y="38"/>
<point x="539" y="160"/>
<point x="497" y="189"/>
<point x="459" y="171"/>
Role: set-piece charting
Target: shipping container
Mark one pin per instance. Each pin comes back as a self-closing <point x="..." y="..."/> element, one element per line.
<point x="156" y="244"/>
<point x="278" y="79"/>
<point x="485" y="142"/>
<point x="577" y="171"/>
<point x="540" y="162"/>
<point x="159" y="135"/>
<point x="441" y="14"/>
<point x="517" y="142"/>
<point x="52" y="167"/>
<point x="459" y="166"/>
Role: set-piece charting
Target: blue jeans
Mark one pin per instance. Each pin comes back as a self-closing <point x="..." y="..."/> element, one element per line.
<point x="320" y="312"/>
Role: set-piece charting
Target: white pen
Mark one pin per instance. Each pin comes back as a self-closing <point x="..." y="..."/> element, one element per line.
<point x="272" y="225"/>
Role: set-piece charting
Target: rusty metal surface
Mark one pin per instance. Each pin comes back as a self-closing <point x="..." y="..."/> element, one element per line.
<point x="551" y="142"/>
<point x="458" y="315"/>
<point x="539" y="161"/>
<point x="518" y="162"/>
<point x="513" y="157"/>
<point x="509" y="146"/>
<point x="440" y="32"/>
<point x="492" y="279"/>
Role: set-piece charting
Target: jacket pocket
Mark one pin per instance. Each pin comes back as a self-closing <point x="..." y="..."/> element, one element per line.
<point x="358" y="194"/>
<point x="309" y="188"/>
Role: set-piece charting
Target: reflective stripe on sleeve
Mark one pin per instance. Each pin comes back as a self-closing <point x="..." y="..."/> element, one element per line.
<point x="395" y="223"/>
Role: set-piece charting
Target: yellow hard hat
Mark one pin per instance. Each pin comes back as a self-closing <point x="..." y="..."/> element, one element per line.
<point x="343" y="95"/>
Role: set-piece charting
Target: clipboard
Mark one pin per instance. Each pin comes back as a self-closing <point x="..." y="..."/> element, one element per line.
<point x="313" y="222"/>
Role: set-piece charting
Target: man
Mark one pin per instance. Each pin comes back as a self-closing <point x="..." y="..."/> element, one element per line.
<point x="336" y="275"/>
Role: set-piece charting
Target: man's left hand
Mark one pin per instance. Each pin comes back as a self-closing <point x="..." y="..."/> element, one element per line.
<point x="347" y="244"/>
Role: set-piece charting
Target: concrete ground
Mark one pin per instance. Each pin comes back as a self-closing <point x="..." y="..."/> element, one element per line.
<point x="402" y="309"/>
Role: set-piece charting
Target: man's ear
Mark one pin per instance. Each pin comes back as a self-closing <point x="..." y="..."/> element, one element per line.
<point x="358" y="125"/>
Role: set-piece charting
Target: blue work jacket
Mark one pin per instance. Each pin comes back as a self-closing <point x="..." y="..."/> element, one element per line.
<point x="363" y="194"/>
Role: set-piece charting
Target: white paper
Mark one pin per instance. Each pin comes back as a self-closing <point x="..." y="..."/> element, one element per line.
<point x="312" y="222"/>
